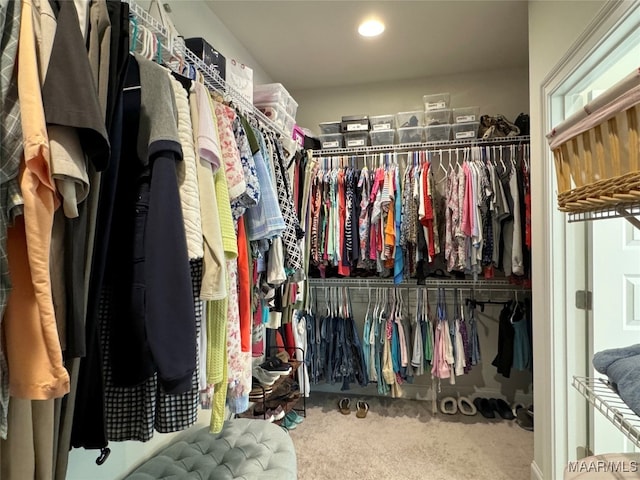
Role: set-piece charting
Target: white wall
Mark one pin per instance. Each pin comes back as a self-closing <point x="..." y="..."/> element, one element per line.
<point x="497" y="91"/>
<point x="553" y="28"/>
<point x="196" y="19"/>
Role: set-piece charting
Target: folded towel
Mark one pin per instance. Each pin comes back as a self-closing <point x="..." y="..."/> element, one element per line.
<point x="603" y="359"/>
<point x="622" y="366"/>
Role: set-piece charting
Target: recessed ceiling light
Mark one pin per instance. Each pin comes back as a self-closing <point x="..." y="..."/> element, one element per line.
<point x="371" y="28"/>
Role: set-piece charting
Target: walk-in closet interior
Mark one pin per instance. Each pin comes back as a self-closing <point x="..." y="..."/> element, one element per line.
<point x="319" y="240"/>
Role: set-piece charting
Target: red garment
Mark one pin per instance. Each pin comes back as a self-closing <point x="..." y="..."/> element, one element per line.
<point x="244" y="289"/>
<point x="289" y="340"/>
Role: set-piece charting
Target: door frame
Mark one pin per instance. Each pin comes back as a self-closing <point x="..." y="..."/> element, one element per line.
<point x="560" y="428"/>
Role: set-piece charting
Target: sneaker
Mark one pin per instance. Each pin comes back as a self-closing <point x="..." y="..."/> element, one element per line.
<point x="288" y="424"/>
<point x="294" y="417"/>
<point x="275" y="365"/>
<point x="277" y="414"/>
<point x="264" y="377"/>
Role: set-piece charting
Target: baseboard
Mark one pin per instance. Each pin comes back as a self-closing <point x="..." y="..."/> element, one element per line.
<point x="536" y="473"/>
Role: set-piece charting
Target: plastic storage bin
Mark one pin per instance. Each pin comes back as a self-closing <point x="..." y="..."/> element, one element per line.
<point x="329" y="128"/>
<point x="292" y="107"/>
<point x="271" y="93"/>
<point x="437" y="133"/>
<point x="382" y="122"/>
<point x="289" y="123"/>
<point x="356" y="139"/>
<point x="410" y="134"/>
<point x="331" y="140"/>
<point x="466" y="115"/>
<point x="355" y="123"/>
<point x="275" y="112"/>
<point x="382" y="137"/>
<point x="463" y="131"/>
<point x="437" y="117"/>
<point x="410" y="119"/>
<point x="437" y="101"/>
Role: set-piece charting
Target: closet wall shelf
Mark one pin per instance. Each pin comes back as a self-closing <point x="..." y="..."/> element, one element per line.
<point x="604" y="398"/>
<point x="212" y="80"/>
<point x="374" y="282"/>
<point x="630" y="212"/>
<point x="411" y="147"/>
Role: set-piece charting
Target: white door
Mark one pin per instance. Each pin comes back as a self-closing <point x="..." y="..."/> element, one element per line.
<point x="616" y="309"/>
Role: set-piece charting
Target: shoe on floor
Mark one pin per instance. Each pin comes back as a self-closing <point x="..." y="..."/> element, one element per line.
<point x="362" y="408"/>
<point x="294" y="417"/>
<point x="484" y="407"/>
<point x="344" y="405"/>
<point x="524" y="419"/>
<point x="466" y="407"/>
<point x="288" y="424"/>
<point x="449" y="405"/>
<point x="502" y="408"/>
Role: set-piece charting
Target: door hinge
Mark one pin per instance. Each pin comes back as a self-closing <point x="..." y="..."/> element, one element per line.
<point x="583" y="299"/>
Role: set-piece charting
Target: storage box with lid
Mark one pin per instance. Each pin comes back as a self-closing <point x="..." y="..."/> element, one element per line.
<point x="382" y="137"/>
<point x="410" y="119"/>
<point x="464" y="131"/>
<point x="356" y="139"/>
<point x="270" y="93"/>
<point x="410" y="134"/>
<point x="355" y="123"/>
<point x="328" y="128"/>
<point x="332" y="140"/>
<point x="382" y="122"/>
<point x="466" y="115"/>
<point x="437" y="133"/>
<point x="436" y="101"/>
<point x="437" y="117"/>
<point x="209" y="55"/>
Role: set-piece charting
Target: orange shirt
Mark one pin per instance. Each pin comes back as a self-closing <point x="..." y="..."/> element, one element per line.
<point x="34" y="355"/>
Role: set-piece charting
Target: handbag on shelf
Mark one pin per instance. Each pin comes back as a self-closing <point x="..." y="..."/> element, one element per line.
<point x="497" y="127"/>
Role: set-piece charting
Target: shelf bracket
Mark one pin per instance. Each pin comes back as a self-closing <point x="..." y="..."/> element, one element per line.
<point x="629" y="216"/>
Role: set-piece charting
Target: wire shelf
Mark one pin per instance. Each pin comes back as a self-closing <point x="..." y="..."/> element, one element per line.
<point x="630" y="212"/>
<point x="600" y="394"/>
<point x="374" y="282"/>
<point x="212" y="79"/>
<point x="412" y="147"/>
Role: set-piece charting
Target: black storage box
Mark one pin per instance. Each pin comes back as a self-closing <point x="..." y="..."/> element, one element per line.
<point x="209" y="55"/>
<point x="355" y="123"/>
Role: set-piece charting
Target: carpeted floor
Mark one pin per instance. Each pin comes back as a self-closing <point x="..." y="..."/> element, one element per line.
<point x="402" y="440"/>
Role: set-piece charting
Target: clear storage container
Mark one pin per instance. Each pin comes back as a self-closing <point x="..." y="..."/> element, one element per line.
<point x="331" y="140"/>
<point x="382" y="122"/>
<point x="270" y="93"/>
<point x="466" y="115"/>
<point x="437" y="133"/>
<point x="462" y="131"/>
<point x="437" y="117"/>
<point x="356" y="139"/>
<point x="274" y="112"/>
<point x="292" y="107"/>
<point x="328" y="128"/>
<point x="436" y="101"/>
<point x="410" y="119"/>
<point x="382" y="137"/>
<point x="410" y="135"/>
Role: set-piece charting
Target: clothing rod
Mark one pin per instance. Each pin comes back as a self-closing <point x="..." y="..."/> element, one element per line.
<point x="212" y="79"/>
<point x="430" y="285"/>
<point x="413" y="147"/>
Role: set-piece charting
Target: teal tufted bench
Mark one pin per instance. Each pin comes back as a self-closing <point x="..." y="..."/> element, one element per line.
<point x="244" y="450"/>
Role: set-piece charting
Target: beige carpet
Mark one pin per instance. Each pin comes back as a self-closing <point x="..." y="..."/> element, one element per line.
<point x="401" y="439"/>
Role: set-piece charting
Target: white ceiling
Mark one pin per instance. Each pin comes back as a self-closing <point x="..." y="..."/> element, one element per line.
<point x="314" y="44"/>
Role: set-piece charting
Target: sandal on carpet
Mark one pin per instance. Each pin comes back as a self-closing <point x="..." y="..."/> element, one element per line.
<point x="516" y="406"/>
<point x="466" y="407"/>
<point x="502" y="408"/>
<point x="362" y="408"/>
<point x="344" y="405"/>
<point x="524" y="419"/>
<point x="449" y="405"/>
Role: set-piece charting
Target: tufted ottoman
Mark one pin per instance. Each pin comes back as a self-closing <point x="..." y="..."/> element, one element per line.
<point x="244" y="449"/>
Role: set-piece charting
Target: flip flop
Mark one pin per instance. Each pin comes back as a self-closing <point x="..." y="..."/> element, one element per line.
<point x="516" y="407"/>
<point x="449" y="405"/>
<point x="362" y="408"/>
<point x="466" y="407"/>
<point x="344" y="405"/>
